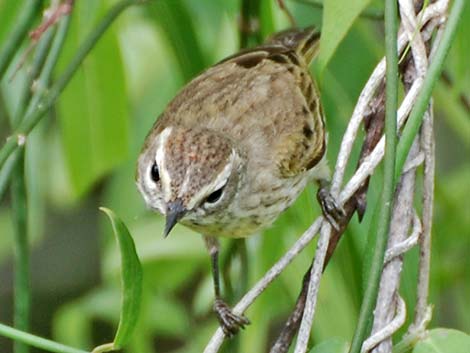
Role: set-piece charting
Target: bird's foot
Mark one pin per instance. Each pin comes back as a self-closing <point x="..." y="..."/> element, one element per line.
<point x="333" y="212"/>
<point x="229" y="322"/>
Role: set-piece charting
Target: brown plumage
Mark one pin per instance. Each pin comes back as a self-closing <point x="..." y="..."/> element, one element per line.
<point x="265" y="94"/>
<point x="238" y="144"/>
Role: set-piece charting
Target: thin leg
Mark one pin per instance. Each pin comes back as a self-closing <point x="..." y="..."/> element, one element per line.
<point x="229" y="322"/>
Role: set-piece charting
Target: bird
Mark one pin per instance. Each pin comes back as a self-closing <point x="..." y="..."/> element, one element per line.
<point x="236" y="147"/>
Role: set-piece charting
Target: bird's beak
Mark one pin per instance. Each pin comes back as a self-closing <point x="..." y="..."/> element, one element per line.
<point x="174" y="212"/>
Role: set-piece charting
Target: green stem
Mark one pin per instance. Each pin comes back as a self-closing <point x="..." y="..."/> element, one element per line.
<point x="432" y="76"/>
<point x="267" y="26"/>
<point x="36" y="341"/>
<point x="10" y="146"/>
<point x="13" y="41"/>
<point x="249" y="14"/>
<point x="22" y="302"/>
<point x="40" y="56"/>
<point x="391" y="103"/>
<point x="18" y="184"/>
<point x="7" y="171"/>
<point x="43" y="82"/>
<point x="48" y="100"/>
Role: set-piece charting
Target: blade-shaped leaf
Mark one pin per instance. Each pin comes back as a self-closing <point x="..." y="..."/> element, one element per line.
<point x="172" y="18"/>
<point x="443" y="340"/>
<point x="131" y="277"/>
<point x="93" y="108"/>
<point x="338" y="17"/>
<point x="8" y="16"/>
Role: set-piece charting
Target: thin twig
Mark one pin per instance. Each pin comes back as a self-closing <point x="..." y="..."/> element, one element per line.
<point x="33" y="72"/>
<point x="384" y="312"/>
<point x="434" y="72"/>
<point x="387" y="331"/>
<point x="284" y="340"/>
<point x="427" y="144"/>
<point x="313" y="288"/>
<point x="51" y="17"/>
<point x="408" y="243"/>
<point x="390" y="280"/>
<point x="434" y="10"/>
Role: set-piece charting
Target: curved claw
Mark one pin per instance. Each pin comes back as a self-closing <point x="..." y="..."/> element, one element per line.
<point x="330" y="209"/>
<point x="229" y="322"/>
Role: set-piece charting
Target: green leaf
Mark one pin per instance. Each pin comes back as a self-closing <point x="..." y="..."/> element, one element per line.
<point x="333" y="345"/>
<point x="93" y="108"/>
<point x="172" y="18"/>
<point x="460" y="50"/>
<point x="8" y="16"/>
<point x="338" y="17"/>
<point x="443" y="340"/>
<point x="131" y="276"/>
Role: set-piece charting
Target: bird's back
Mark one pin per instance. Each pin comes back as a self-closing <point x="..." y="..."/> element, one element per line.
<point x="263" y="99"/>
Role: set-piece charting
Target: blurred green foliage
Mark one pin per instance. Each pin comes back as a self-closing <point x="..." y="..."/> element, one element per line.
<point x="83" y="156"/>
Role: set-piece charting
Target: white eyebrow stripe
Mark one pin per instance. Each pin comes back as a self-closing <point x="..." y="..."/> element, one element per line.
<point x="161" y="162"/>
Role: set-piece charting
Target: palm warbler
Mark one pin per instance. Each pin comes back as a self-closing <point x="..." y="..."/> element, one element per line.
<point x="237" y="146"/>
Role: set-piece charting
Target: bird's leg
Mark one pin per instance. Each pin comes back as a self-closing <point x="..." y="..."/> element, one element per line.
<point x="330" y="209"/>
<point x="229" y="322"/>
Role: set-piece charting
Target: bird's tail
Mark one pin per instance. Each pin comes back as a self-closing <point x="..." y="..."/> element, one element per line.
<point x="305" y="42"/>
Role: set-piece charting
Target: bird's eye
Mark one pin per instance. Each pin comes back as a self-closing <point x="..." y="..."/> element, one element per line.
<point x="215" y="196"/>
<point x="154" y="174"/>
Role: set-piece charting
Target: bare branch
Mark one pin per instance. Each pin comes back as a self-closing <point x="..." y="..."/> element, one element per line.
<point x="406" y="244"/>
<point x="400" y="223"/>
<point x="427" y="144"/>
<point x="313" y="288"/>
<point x="388" y="330"/>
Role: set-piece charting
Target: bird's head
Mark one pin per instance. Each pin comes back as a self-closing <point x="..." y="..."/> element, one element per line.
<point x="188" y="175"/>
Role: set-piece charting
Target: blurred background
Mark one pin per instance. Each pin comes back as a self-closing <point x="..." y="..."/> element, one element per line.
<point x="83" y="156"/>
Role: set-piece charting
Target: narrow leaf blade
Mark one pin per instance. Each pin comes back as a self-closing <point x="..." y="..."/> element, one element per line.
<point x="131" y="277"/>
<point x="92" y="110"/>
<point x="338" y="17"/>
